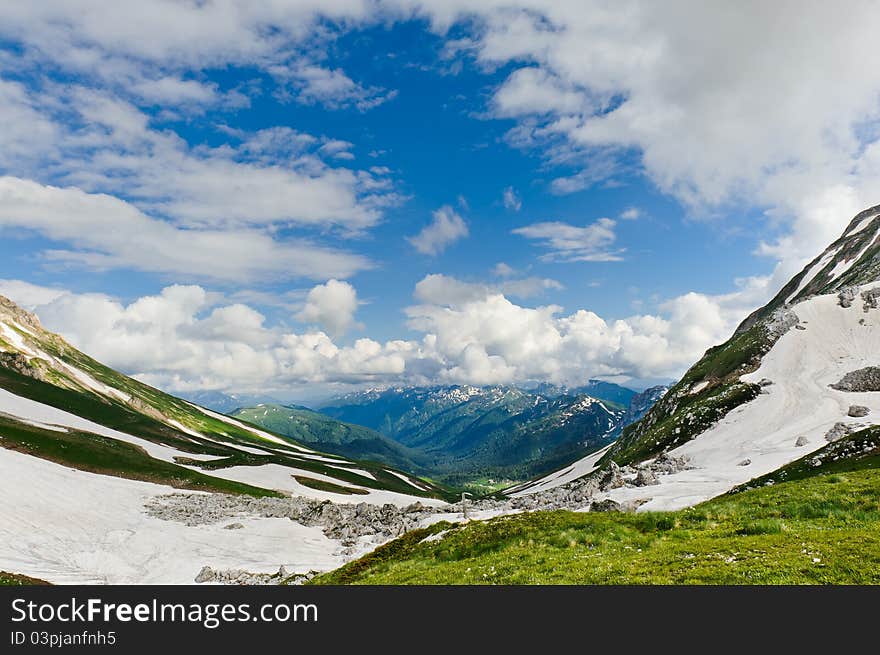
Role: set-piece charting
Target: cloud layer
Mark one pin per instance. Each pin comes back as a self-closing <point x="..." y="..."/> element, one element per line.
<point x="189" y="338"/>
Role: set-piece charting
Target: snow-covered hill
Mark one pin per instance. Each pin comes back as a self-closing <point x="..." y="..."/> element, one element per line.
<point x="83" y="448"/>
<point x="766" y="397"/>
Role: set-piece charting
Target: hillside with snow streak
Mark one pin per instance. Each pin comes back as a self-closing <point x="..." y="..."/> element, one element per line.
<point x="83" y="448"/>
<point x="768" y="396"/>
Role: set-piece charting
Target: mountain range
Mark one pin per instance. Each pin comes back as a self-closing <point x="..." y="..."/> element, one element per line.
<point x="462" y="435"/>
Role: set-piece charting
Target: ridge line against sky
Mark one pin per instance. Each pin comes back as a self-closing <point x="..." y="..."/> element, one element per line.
<point x="291" y="196"/>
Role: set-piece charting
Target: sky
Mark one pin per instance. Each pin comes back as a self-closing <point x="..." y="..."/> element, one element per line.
<point x="302" y="197"/>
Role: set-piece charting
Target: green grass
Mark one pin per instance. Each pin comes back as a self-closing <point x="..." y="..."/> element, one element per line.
<point x="16" y="580"/>
<point x="322" y="485"/>
<point x="817" y="530"/>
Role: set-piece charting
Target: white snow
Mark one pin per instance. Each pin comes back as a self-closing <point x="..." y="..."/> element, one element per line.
<point x="800" y="403"/>
<point x="280" y="478"/>
<point x="844" y="266"/>
<point x="577" y="470"/>
<point x="74" y="527"/>
<point x="865" y="222"/>
<point x="810" y="274"/>
<point x="15" y="340"/>
<point x="33" y="412"/>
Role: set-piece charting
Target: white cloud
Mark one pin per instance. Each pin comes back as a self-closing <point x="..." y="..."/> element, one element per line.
<point x="438" y="289"/>
<point x="331" y="306"/>
<point x="511" y="199"/>
<point x="630" y="214"/>
<point x="570" y="243"/>
<point x="501" y="269"/>
<point x="331" y="88"/>
<point x="107" y="233"/>
<point x="720" y="107"/>
<point x="446" y="228"/>
<point x="188" y="338"/>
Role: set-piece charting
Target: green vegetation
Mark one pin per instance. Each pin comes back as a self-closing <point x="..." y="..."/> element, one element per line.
<point x="816" y="530"/>
<point x="16" y="580"/>
<point x="460" y="435"/>
<point x="323" y="485"/>
<point x="330" y="435"/>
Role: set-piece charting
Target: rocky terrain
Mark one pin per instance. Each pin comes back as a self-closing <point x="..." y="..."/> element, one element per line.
<point x="363" y="526"/>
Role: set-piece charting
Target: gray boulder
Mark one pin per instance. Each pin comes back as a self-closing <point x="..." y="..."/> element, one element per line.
<point x="858" y="411"/>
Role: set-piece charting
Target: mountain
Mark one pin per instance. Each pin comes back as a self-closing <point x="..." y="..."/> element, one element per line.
<point x="798" y="373"/>
<point x="600" y="389"/>
<point x="90" y="460"/>
<point x="225" y="403"/>
<point x="332" y="436"/>
<point x="464" y="433"/>
<point x="639" y="405"/>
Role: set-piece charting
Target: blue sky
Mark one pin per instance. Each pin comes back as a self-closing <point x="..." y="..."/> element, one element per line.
<point x="301" y="197"/>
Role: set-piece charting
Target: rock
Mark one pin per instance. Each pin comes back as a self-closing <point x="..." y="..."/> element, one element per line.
<point x="613" y="478"/>
<point x="745" y="462"/>
<point x="764" y="382"/>
<point x="645" y="477"/>
<point x="858" y="411"/>
<point x="283" y="573"/>
<point x="837" y="432"/>
<point x="801" y="441"/>
<point x="861" y="380"/>
<point x="606" y="505"/>
<point x="233" y="526"/>
<point x="871" y="299"/>
<point x="799" y="327"/>
<point x="846" y="297"/>
<point x="207" y="574"/>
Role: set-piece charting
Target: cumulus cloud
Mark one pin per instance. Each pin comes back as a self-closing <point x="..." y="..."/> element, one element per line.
<point x="438" y="289"/>
<point x="330" y="87"/>
<point x="511" y="199"/>
<point x="105" y="232"/>
<point x="188" y="338"/>
<point x="571" y="243"/>
<point x="331" y="306"/>
<point x="446" y="228"/>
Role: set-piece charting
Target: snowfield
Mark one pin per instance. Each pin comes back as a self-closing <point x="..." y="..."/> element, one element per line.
<point x="801" y="365"/>
<point x="73" y="527"/>
<point x="68" y="526"/>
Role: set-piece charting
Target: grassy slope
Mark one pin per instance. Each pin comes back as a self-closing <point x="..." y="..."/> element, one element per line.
<point x="821" y="529"/>
<point x="15" y="580"/>
<point x="329" y="435"/>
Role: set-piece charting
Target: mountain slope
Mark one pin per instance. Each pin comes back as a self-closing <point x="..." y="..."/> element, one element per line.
<point x="332" y="436"/>
<point x="764" y="398"/>
<point x="463" y="433"/>
<point x="59" y="404"/>
<point x="86" y="451"/>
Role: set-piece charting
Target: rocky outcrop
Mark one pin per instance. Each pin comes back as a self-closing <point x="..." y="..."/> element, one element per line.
<point x="863" y="379"/>
<point x="846" y="297"/>
<point x="838" y="431"/>
<point x="33" y="368"/>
